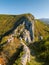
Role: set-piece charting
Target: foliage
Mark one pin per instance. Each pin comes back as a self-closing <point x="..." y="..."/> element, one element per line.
<point x="41" y="29"/>
<point x="41" y="49"/>
<point x="18" y="61"/>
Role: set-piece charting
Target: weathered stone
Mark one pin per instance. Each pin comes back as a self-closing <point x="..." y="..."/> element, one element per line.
<point x="25" y="30"/>
<point x="26" y="56"/>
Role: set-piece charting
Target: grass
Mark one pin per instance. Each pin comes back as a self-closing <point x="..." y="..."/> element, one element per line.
<point x="41" y="29"/>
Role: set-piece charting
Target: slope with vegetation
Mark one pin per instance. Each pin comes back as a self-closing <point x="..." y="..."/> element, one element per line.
<point x="41" y="30"/>
<point x="11" y="38"/>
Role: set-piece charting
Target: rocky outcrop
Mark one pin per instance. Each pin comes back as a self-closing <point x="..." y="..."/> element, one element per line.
<point x="26" y="56"/>
<point x="25" y="29"/>
<point x="26" y="36"/>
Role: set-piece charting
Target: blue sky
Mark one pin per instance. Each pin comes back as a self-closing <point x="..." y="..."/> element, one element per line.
<point x="39" y="8"/>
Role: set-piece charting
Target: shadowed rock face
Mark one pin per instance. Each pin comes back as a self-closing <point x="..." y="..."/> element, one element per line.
<point x="27" y="34"/>
<point x="28" y="26"/>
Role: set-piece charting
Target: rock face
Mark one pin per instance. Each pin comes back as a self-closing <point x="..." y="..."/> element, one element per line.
<point x="26" y="36"/>
<point x="26" y="56"/>
<point x="25" y="29"/>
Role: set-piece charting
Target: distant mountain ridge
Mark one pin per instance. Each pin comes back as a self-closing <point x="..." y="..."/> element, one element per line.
<point x="46" y="20"/>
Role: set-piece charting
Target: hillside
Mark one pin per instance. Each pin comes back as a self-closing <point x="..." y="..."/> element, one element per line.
<point x="8" y="22"/>
<point x="23" y="40"/>
<point x="41" y="29"/>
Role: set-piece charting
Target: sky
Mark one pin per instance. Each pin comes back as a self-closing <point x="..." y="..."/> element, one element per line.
<point x="38" y="8"/>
